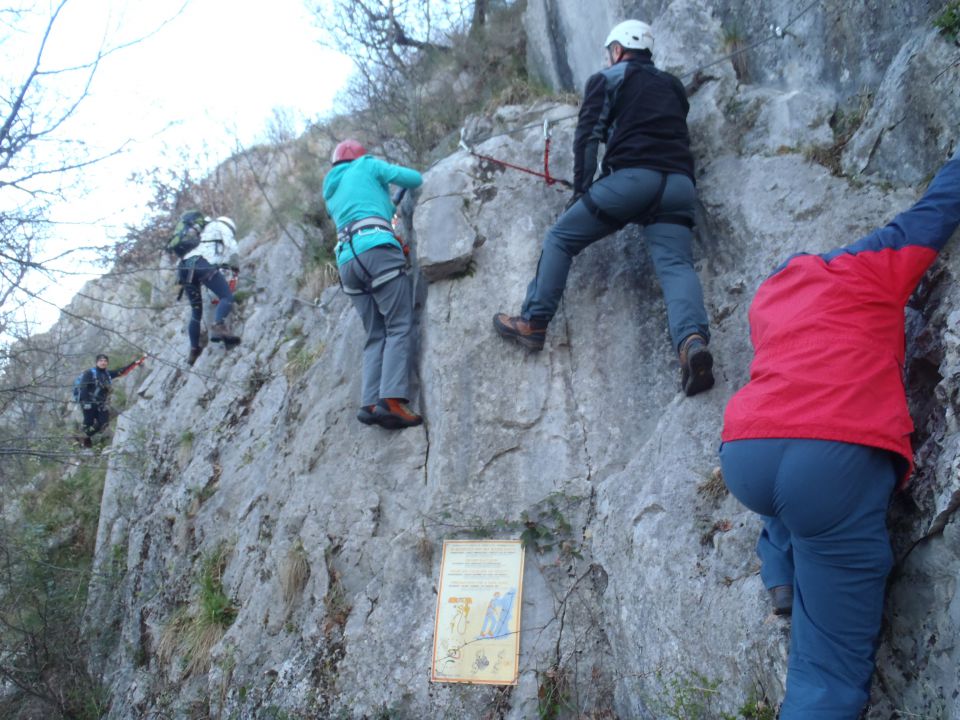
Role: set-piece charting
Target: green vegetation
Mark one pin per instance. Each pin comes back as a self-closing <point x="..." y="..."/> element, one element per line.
<point x="694" y="696"/>
<point x="553" y="693"/>
<point x="844" y="122"/>
<point x="949" y="21"/>
<point x="336" y="602"/>
<point x="216" y="608"/>
<point x="43" y="590"/>
<point x="755" y="708"/>
<point x="194" y="630"/>
<point x="734" y="42"/>
<point x="417" y="99"/>
<point x="145" y="290"/>
<point x="301" y="358"/>
<point x="687" y="697"/>
<point x="542" y="528"/>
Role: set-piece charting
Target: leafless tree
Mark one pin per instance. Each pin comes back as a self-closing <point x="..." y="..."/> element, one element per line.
<point x="396" y="46"/>
<point x="44" y="558"/>
<point x="42" y="157"/>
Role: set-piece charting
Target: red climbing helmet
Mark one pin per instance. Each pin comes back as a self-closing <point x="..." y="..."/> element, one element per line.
<point x="348" y="150"/>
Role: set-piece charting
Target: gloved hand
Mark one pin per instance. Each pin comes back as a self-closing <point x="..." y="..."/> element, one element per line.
<point x="573" y="200"/>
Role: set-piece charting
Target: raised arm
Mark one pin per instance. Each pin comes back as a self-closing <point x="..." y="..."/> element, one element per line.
<point x="901" y="251"/>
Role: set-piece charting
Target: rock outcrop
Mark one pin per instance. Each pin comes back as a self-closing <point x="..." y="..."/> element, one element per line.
<point x="328" y="533"/>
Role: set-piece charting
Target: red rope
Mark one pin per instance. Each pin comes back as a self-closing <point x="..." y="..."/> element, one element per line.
<point x="546" y="176"/>
<point x="546" y="161"/>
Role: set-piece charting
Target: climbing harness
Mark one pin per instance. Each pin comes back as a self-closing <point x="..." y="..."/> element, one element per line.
<point x="650" y="215"/>
<point x="547" y="177"/>
<point x="345" y="239"/>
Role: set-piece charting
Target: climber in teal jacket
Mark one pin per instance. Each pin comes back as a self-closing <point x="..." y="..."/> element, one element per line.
<point x="372" y="266"/>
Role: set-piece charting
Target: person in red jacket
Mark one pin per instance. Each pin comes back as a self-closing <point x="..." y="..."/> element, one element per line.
<point x="819" y="437"/>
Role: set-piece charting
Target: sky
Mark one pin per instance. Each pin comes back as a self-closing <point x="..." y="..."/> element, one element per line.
<point x="215" y="72"/>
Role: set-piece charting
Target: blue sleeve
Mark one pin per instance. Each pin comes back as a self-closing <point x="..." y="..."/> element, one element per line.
<point x="895" y="257"/>
<point x="929" y="223"/>
<point x="398" y="175"/>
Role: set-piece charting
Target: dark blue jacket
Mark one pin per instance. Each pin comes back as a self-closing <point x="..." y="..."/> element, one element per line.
<point x="95" y="383"/>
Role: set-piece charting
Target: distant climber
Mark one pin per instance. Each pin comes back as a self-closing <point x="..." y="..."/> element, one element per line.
<point x="372" y="266"/>
<point x="92" y="392"/>
<point x="819" y="438"/>
<point x="647" y="178"/>
<point x="205" y="246"/>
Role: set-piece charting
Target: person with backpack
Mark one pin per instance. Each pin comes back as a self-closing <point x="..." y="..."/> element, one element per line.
<point x="372" y="266"/>
<point x="205" y="246"/>
<point x="819" y="438"/>
<point x="647" y="177"/>
<point x="91" y="390"/>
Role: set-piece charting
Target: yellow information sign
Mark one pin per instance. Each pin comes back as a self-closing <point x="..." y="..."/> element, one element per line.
<point x="476" y="636"/>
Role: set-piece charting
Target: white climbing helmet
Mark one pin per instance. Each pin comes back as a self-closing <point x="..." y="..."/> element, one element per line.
<point x="228" y="222"/>
<point x="632" y="35"/>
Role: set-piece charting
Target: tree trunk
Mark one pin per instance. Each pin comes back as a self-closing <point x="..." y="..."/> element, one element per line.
<point x="479" y="17"/>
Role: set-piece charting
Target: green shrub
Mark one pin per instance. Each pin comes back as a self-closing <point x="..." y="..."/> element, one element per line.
<point x="734" y="44"/>
<point x="949" y="21"/>
<point x="48" y="555"/>
<point x="145" y="289"/>
<point x="688" y="697"/>
<point x="301" y="358"/>
<point x="194" y="630"/>
<point x="216" y="608"/>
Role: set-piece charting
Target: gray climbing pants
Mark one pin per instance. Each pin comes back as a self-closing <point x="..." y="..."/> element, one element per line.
<point x="387" y="314"/>
<point x="624" y="195"/>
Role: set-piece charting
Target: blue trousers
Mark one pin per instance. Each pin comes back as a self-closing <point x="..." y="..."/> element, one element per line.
<point x="191" y="276"/>
<point x="826" y="504"/>
<point x="775" y="553"/>
<point x="623" y="195"/>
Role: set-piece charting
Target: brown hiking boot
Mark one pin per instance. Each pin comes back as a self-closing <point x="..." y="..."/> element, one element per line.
<point x="394" y="414"/>
<point x="220" y="332"/>
<point x="194" y="354"/>
<point x="531" y="334"/>
<point x="696" y="365"/>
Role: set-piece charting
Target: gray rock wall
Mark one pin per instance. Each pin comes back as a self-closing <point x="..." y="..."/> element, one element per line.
<point x="649" y="587"/>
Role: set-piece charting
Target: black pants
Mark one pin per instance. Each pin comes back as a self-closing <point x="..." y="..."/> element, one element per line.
<point x="95" y="418"/>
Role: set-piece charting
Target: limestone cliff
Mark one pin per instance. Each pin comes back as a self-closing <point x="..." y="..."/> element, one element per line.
<point x="326" y="534"/>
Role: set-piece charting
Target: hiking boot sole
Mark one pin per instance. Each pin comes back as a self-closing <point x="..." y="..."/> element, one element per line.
<point x="700" y="378"/>
<point x="532" y="344"/>
<point x="394" y="422"/>
<point x="367" y="417"/>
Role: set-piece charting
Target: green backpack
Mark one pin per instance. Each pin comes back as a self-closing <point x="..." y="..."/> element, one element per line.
<point x="186" y="236"/>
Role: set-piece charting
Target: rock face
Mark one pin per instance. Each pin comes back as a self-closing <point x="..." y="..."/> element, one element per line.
<point x="644" y="586"/>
